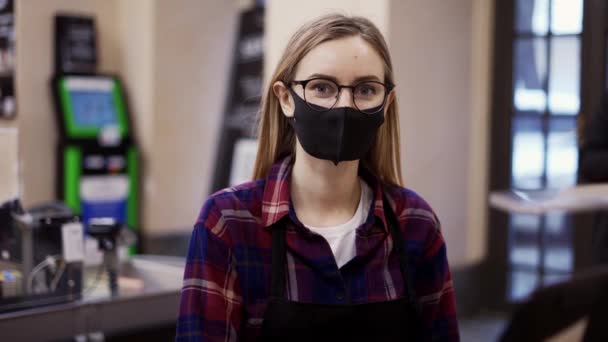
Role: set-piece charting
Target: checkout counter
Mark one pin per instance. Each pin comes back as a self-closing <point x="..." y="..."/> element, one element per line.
<point x="59" y="298"/>
<point x="148" y="298"/>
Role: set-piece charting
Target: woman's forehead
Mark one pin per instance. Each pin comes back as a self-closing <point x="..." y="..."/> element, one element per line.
<point x="346" y="59"/>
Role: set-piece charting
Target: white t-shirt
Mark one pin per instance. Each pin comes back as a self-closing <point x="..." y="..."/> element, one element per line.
<point x="341" y="238"/>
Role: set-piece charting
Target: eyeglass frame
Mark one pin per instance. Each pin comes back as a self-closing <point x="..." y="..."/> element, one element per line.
<point x="388" y="87"/>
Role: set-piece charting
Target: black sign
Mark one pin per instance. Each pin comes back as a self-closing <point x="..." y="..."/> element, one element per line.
<point x="244" y="93"/>
<point x="7" y="59"/>
<point x="75" y="45"/>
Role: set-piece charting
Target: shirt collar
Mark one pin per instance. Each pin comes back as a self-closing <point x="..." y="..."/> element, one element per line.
<point x="276" y="200"/>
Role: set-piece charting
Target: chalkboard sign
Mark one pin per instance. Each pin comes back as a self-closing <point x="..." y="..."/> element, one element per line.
<point x="75" y="44"/>
<point x="243" y="101"/>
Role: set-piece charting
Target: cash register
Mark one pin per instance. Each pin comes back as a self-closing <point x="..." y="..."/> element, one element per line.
<point x="41" y="255"/>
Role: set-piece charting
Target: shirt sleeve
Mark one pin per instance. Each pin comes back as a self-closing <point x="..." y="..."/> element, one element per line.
<point x="211" y="301"/>
<point x="435" y="292"/>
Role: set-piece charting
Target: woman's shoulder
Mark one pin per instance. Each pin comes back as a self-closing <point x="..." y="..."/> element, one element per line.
<point x="242" y="201"/>
<point x="417" y="217"/>
<point x="407" y="199"/>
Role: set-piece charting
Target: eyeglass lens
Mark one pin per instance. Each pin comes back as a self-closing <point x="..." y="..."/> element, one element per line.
<point x="367" y="96"/>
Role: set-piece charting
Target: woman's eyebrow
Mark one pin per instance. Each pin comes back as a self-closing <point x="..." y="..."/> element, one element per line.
<point x="367" y="78"/>
<point x="358" y="79"/>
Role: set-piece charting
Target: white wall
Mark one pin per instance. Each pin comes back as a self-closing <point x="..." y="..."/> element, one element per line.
<point x="432" y="60"/>
<point x="482" y="28"/>
<point x="193" y="48"/>
<point x="9" y="163"/>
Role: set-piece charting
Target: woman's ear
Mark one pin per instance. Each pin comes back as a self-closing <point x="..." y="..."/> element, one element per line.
<point x="284" y="96"/>
<point x="389" y="100"/>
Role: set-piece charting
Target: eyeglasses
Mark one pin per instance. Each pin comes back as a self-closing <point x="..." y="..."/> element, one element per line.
<point x="322" y="94"/>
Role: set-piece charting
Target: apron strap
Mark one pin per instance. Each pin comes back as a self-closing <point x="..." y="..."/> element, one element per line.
<point x="279" y="254"/>
<point x="398" y="243"/>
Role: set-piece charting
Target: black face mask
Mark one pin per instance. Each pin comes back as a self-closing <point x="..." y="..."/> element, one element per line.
<point x="338" y="134"/>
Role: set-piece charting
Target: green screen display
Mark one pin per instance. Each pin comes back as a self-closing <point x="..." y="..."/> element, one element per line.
<point x="90" y="104"/>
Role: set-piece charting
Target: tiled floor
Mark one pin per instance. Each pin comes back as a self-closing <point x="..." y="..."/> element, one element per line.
<point x="485" y="328"/>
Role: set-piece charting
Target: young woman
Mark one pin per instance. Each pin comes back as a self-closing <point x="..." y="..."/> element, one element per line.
<point x="325" y="243"/>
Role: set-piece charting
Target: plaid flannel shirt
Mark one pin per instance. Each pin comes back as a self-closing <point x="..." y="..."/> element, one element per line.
<point x="228" y="269"/>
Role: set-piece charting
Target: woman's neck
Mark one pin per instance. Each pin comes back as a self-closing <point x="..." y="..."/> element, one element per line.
<point x="324" y="194"/>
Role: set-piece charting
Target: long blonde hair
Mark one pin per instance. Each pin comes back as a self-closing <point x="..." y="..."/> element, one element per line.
<point x="276" y="136"/>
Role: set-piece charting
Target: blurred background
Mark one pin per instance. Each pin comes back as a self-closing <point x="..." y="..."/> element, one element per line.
<point x="493" y="96"/>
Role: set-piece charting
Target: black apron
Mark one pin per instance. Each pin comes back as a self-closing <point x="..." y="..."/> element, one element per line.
<point x="393" y="320"/>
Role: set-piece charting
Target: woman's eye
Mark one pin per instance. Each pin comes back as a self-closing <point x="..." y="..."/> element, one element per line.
<point x="321" y="88"/>
<point x="366" y="91"/>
